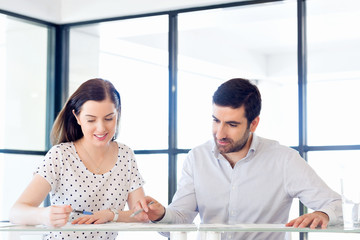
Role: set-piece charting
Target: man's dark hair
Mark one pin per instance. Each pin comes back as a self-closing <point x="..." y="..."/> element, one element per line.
<point x="237" y="92"/>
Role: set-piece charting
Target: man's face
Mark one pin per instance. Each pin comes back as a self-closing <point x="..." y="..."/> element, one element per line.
<point x="230" y="128"/>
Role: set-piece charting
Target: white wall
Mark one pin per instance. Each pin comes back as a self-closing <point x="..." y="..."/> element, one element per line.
<point x="67" y="11"/>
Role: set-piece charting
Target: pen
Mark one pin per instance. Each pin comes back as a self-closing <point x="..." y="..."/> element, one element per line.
<point x="82" y="212"/>
<point x="140" y="210"/>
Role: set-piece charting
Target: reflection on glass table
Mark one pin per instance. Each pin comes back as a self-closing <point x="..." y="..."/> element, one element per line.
<point x="177" y="231"/>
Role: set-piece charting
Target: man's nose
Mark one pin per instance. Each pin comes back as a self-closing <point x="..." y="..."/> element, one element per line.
<point x="221" y="131"/>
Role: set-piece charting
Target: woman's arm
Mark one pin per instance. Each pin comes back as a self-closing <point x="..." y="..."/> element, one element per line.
<point x="106" y="215"/>
<point x="26" y="209"/>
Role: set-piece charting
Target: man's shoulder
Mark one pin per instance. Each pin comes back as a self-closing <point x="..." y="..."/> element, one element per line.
<point x="270" y="144"/>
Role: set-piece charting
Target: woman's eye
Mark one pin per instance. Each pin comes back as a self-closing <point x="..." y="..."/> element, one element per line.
<point x="108" y="119"/>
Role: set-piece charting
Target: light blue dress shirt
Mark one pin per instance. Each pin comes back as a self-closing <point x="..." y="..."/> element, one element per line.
<point x="259" y="189"/>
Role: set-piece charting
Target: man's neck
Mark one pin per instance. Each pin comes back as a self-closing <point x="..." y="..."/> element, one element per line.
<point x="234" y="157"/>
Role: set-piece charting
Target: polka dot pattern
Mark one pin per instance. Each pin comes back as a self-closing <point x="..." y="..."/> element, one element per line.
<point x="73" y="184"/>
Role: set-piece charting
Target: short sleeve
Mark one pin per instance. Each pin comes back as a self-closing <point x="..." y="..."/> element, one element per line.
<point x="132" y="174"/>
<point x="49" y="167"/>
<point x="136" y="179"/>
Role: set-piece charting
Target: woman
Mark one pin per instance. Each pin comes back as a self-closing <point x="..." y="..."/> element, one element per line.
<point x="85" y="170"/>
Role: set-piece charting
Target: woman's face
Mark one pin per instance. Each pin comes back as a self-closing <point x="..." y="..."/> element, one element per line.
<point x="98" y="121"/>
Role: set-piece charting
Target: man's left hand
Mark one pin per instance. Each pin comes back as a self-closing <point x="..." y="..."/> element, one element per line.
<point x="311" y="220"/>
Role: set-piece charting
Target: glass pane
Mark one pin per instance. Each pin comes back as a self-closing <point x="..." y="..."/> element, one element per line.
<point x="16" y="172"/>
<point x="156" y="182"/>
<point x="333" y="71"/>
<point x="156" y="186"/>
<point x="23" y="72"/>
<point x="338" y="164"/>
<point x="257" y="42"/>
<point x="133" y="55"/>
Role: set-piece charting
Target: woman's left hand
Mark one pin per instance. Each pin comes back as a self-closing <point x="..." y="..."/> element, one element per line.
<point x="99" y="217"/>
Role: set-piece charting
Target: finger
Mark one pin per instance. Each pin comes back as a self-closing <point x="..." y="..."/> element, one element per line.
<point x="60" y="209"/>
<point x="90" y="220"/>
<point x="290" y="224"/>
<point x="306" y="222"/>
<point x="85" y="220"/>
<point x="99" y="221"/>
<point x="58" y="223"/>
<point x="324" y="225"/>
<point x="75" y="221"/>
<point x="144" y="204"/>
<point x="315" y="223"/>
<point x="58" y="216"/>
<point x="297" y="222"/>
<point x="68" y="209"/>
<point x="80" y="220"/>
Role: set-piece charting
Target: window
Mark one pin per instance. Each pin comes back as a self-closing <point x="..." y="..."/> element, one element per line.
<point x="132" y="54"/>
<point x="214" y="44"/>
<point x="257" y="42"/>
<point x="23" y="105"/>
<point x="23" y="84"/>
<point x="333" y="72"/>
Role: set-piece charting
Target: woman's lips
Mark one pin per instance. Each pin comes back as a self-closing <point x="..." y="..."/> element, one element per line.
<point x="101" y="137"/>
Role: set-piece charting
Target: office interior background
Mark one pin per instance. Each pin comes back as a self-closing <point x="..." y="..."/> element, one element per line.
<point x="166" y="59"/>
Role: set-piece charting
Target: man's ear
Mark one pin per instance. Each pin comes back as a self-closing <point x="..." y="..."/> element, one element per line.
<point x="254" y="124"/>
<point x="77" y="119"/>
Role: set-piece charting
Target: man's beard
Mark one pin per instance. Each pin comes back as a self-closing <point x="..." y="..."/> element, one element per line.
<point x="233" y="146"/>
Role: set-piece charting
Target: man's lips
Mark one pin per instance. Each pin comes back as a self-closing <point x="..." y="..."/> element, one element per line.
<point x="223" y="142"/>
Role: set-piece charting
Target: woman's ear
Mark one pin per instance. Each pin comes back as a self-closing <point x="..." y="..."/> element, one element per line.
<point x="77" y="119"/>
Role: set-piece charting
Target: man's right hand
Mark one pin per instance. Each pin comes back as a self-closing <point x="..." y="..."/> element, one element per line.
<point x="154" y="212"/>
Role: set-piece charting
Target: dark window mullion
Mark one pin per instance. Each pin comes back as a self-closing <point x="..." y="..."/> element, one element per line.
<point x="302" y="83"/>
<point x="173" y="43"/>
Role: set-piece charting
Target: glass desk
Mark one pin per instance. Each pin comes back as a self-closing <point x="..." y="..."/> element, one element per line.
<point x="177" y="231"/>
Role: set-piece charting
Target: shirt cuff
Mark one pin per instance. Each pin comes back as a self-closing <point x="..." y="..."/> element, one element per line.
<point x="333" y="220"/>
<point x="166" y="218"/>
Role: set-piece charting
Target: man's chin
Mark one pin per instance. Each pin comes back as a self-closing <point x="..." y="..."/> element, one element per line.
<point x="222" y="149"/>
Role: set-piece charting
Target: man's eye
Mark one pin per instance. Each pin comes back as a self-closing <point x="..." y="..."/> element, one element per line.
<point x="233" y="125"/>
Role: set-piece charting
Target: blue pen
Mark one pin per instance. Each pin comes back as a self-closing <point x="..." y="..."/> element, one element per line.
<point x="82" y="212"/>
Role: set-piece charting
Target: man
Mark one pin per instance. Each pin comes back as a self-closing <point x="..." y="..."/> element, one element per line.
<point x="239" y="177"/>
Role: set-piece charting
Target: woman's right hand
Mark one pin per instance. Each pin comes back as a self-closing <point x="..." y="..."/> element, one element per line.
<point x="57" y="215"/>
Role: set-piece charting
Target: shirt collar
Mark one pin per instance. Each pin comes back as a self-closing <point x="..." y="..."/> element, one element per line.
<point x="254" y="144"/>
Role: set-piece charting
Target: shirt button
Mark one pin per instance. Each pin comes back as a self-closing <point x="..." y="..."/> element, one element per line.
<point x="229" y="237"/>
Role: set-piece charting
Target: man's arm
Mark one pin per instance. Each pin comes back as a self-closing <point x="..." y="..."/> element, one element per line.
<point x="313" y="192"/>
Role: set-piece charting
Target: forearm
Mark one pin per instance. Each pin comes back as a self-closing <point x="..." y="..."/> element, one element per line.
<point x="182" y="216"/>
<point x="25" y="214"/>
<point x="124" y="216"/>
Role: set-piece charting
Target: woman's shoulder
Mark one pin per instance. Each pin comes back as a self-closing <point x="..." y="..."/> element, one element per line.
<point x="123" y="147"/>
<point x="61" y="148"/>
